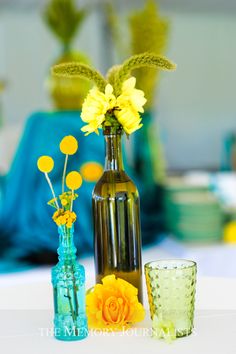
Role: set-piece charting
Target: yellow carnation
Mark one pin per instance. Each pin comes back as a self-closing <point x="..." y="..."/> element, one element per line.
<point x="45" y="164"/>
<point x="130" y="96"/>
<point x="95" y="107"/>
<point x="130" y="103"/>
<point x="74" y="180"/>
<point x="113" y="305"/>
<point x="129" y="119"/>
<point x="69" y="145"/>
<point x="91" y="171"/>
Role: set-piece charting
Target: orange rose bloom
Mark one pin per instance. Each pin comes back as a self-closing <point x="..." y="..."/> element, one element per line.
<point x="113" y="305"/>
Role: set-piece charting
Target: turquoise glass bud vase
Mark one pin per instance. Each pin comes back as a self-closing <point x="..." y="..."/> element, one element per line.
<point x="68" y="280"/>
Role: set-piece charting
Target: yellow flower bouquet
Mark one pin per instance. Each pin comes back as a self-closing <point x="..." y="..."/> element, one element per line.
<point x="114" y="101"/>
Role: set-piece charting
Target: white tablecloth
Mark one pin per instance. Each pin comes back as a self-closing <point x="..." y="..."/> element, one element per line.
<point x="26" y="312"/>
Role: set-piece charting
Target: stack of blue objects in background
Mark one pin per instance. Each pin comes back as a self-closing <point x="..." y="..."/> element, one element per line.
<point x="193" y="213"/>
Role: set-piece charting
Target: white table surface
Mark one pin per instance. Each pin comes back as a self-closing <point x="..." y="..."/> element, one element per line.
<point x="26" y="312"/>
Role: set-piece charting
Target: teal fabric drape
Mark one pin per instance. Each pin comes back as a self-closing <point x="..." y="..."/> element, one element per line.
<point x="149" y="169"/>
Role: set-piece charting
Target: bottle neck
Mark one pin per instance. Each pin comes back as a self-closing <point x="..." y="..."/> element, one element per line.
<point x="113" y="160"/>
<point x="67" y="249"/>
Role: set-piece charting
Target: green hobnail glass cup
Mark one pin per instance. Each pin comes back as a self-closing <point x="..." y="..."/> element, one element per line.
<point x="171" y="287"/>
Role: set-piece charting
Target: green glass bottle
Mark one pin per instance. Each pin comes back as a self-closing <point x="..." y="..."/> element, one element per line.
<point x="117" y="235"/>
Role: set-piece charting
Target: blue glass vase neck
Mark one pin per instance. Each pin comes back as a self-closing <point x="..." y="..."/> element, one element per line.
<point x="67" y="250"/>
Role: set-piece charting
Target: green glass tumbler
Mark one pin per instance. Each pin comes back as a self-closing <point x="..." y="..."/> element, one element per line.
<point x="171" y="287"/>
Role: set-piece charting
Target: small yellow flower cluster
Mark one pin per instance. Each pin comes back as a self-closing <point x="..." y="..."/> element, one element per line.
<point x="125" y="108"/>
<point x="66" y="198"/>
<point x="62" y="217"/>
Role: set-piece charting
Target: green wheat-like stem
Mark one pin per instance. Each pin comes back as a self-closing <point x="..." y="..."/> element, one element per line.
<point x="75" y="70"/>
<point x="112" y="73"/>
<point x="117" y="74"/>
<point x="139" y="61"/>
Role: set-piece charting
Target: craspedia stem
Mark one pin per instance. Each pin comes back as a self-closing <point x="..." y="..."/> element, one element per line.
<point x="52" y="190"/>
<point x="139" y="61"/>
<point x="64" y="174"/>
<point x="75" y="70"/>
<point x="72" y="200"/>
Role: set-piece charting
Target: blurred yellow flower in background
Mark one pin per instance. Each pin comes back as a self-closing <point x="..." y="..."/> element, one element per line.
<point x="113" y="305"/>
<point x="95" y="107"/>
<point x="230" y="232"/>
<point x="45" y="164"/>
<point x="74" y="180"/>
<point x="91" y="171"/>
<point x="69" y="145"/>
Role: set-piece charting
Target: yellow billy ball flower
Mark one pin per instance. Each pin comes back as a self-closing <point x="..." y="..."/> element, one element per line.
<point x="69" y="145"/>
<point x="91" y="171"/>
<point x="45" y="164"/>
<point x="74" y="180"/>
